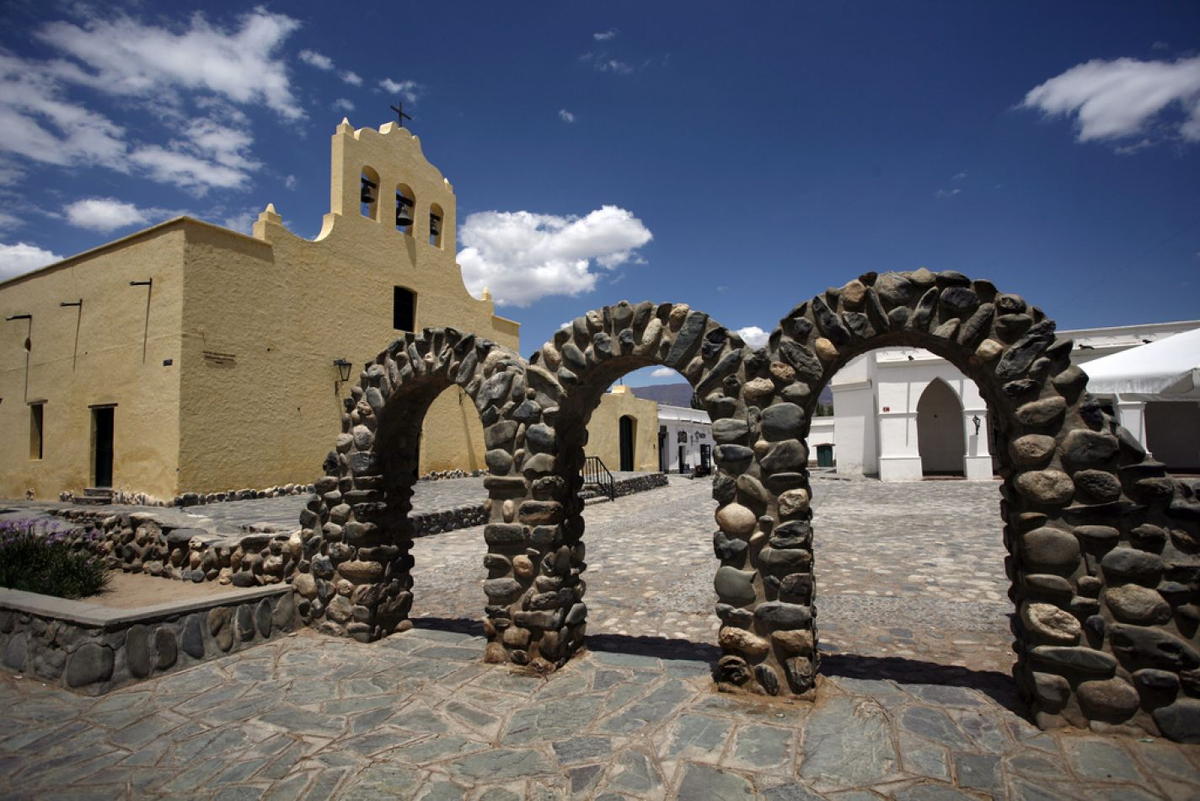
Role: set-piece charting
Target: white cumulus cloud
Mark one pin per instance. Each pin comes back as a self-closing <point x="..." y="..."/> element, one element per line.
<point x="315" y="59"/>
<point x="662" y="372"/>
<point x="104" y="214"/>
<point x="753" y="336"/>
<point x="522" y="257"/>
<point x="1120" y="98"/>
<point x="352" y="78"/>
<point x="565" y="115"/>
<point x="21" y="258"/>
<point x="408" y="91"/>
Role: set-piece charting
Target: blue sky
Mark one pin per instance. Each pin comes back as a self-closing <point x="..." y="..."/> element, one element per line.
<point x="737" y="157"/>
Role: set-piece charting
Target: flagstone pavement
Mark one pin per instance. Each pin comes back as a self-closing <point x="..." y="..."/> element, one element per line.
<point x="915" y="701"/>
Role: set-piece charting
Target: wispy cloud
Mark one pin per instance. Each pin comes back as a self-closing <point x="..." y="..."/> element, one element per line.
<point x="315" y="59"/>
<point x="961" y="176"/>
<point x="945" y="193"/>
<point x="122" y="56"/>
<point x="408" y="91"/>
<point x="604" y="36"/>
<point x="343" y="104"/>
<point x="352" y="78"/>
<point x="1124" y="98"/>
<point x="601" y="62"/>
<point x="565" y="115"/>
<point x="290" y="182"/>
<point x="196" y="76"/>
<point x="21" y="258"/>
<point x="522" y="257"/>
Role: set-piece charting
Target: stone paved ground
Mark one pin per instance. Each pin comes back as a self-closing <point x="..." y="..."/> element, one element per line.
<point x="926" y="587"/>
<point x="420" y="716"/>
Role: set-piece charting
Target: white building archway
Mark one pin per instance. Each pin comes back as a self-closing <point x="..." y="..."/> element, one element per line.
<point x="941" y="441"/>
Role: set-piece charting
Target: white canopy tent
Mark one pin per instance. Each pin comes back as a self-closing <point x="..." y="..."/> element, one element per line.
<point x="1165" y="370"/>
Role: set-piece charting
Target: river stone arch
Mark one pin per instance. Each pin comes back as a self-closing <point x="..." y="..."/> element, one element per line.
<point x="581" y="362"/>
<point x="355" y="579"/>
<point x="1103" y="543"/>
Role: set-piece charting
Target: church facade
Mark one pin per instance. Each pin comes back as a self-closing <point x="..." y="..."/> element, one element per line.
<point x="190" y="358"/>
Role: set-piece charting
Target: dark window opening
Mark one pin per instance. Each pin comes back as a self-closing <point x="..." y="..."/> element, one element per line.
<point x="404" y="309"/>
<point x="36" y="440"/>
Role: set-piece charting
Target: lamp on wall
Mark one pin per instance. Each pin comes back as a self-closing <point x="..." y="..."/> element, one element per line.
<point x="343" y="367"/>
<point x="975" y="419"/>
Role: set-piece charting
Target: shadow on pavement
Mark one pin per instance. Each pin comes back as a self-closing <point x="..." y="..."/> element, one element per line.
<point x="459" y="625"/>
<point x="998" y="686"/>
<point x="659" y="647"/>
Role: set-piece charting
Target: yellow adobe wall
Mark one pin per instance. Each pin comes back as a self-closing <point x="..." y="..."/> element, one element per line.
<point x="286" y="307"/>
<point x="604" y="430"/>
<point x="108" y="351"/>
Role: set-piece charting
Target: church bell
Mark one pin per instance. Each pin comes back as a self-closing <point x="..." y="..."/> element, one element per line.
<point x="366" y="196"/>
<point x="435" y="225"/>
<point x="403" y="211"/>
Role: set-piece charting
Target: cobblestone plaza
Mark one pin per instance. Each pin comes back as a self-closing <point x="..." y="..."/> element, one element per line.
<point x="915" y="700"/>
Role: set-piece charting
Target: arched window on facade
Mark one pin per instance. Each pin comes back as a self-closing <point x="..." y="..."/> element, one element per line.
<point x="404" y="309"/>
<point x="406" y="209"/>
<point x="368" y="196"/>
<point x="435" y="225"/>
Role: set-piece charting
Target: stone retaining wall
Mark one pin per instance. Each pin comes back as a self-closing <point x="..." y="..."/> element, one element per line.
<point x="137" y="542"/>
<point x="94" y="649"/>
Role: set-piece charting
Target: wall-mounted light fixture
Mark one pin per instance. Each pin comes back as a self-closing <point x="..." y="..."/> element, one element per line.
<point x="66" y="303"/>
<point x="977" y="422"/>
<point x="147" y="282"/>
<point x="343" y="367"/>
<point x="18" y="317"/>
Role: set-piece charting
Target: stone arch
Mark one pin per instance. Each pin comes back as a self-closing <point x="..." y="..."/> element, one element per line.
<point x="354" y="579"/>
<point x="580" y="363"/>
<point x="941" y="441"/>
<point x="1103" y="544"/>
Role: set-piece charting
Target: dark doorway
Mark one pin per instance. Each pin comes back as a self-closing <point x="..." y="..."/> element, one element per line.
<point x="683" y="458"/>
<point x="627" y="432"/>
<point x="705" y="457"/>
<point x="824" y="456"/>
<point x="663" y="466"/>
<point x="102" y="450"/>
<point x="940" y="438"/>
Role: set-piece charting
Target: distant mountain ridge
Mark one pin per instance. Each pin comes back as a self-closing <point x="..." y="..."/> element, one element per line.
<point x="666" y="394"/>
<point x="681" y="394"/>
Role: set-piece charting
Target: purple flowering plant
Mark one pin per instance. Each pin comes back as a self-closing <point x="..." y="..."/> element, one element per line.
<point x="47" y="559"/>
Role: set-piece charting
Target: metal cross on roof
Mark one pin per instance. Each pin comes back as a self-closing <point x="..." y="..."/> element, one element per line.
<point x="399" y="109"/>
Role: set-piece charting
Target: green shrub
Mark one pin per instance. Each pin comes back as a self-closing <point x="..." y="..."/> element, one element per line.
<point x="45" y="562"/>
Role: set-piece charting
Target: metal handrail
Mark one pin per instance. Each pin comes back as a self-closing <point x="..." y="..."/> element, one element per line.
<point x="596" y="472"/>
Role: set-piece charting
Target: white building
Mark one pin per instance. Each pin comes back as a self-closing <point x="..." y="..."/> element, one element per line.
<point x="684" y="439"/>
<point x="904" y="413"/>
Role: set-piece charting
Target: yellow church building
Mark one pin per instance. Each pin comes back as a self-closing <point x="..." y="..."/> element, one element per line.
<point x="190" y="358"/>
